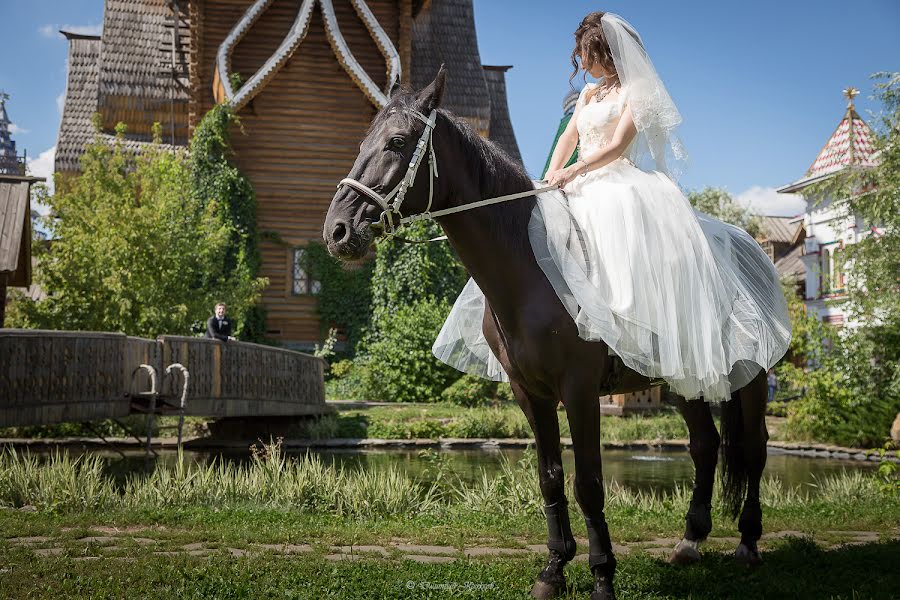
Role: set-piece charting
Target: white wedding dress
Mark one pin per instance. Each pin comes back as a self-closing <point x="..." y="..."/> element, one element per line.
<point x="675" y="293"/>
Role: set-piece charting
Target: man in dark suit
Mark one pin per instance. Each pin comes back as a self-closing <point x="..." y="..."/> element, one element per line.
<point x="219" y="326"/>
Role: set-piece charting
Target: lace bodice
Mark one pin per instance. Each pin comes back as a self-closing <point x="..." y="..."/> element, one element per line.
<point x="597" y="120"/>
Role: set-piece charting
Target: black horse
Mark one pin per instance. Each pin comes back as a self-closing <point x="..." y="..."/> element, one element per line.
<point x="533" y="336"/>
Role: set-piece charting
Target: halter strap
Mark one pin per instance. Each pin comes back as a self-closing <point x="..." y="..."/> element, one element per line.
<point x="391" y="203"/>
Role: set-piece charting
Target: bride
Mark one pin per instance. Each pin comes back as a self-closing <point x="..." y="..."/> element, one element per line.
<point x="675" y="293"/>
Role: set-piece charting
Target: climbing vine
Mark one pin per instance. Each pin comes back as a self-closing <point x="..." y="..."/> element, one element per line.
<point x="216" y="181"/>
<point x="345" y="296"/>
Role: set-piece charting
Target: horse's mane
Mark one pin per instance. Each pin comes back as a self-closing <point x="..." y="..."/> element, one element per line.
<point x="495" y="172"/>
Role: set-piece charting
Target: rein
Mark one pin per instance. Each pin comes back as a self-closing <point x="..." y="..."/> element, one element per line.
<point x="391" y="203"/>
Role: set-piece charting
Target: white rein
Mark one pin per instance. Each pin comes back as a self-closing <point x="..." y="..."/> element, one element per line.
<point x="390" y="204"/>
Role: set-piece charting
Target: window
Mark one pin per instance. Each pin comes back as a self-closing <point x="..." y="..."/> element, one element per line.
<point x="301" y="282"/>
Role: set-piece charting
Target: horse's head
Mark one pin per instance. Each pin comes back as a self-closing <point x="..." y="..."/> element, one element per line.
<point x="354" y="218"/>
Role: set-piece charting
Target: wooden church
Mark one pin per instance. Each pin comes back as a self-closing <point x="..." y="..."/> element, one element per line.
<point x="313" y="75"/>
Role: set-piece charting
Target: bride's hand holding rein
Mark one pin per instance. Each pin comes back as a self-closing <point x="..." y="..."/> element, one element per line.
<point x="561" y="177"/>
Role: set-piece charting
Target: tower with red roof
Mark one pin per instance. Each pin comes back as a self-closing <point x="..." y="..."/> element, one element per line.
<point x="828" y="224"/>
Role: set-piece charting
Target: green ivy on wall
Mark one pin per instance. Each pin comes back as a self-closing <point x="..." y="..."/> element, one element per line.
<point x="214" y="179"/>
<point x="345" y="296"/>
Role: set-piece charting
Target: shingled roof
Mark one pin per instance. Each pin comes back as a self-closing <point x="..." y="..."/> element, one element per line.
<point x="140" y="79"/>
<point x="75" y="128"/>
<point x="443" y="32"/>
<point x="501" y="130"/>
<point x="780" y="229"/>
<point x="851" y="145"/>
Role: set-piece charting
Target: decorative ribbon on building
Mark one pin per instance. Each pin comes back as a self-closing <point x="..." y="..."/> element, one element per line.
<point x="225" y="92"/>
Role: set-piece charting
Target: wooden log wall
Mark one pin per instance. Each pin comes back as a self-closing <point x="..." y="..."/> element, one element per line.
<point x="301" y="133"/>
<point x="72" y="376"/>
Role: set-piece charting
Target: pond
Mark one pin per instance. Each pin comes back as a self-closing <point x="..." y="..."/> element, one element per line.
<point x="638" y="469"/>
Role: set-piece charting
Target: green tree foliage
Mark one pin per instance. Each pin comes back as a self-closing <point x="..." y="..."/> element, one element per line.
<point x="840" y="397"/>
<point x="718" y="203"/>
<point x="407" y="273"/>
<point x="135" y="250"/>
<point x="398" y="365"/>
<point x="412" y="289"/>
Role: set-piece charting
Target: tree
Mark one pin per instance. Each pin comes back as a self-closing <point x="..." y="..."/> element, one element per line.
<point x="134" y="250"/>
<point x="718" y="203"/>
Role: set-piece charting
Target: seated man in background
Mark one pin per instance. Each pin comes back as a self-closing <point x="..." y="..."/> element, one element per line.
<point x="219" y="326"/>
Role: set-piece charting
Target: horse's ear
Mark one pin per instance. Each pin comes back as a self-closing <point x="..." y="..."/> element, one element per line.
<point x="430" y="98"/>
<point x="396" y="88"/>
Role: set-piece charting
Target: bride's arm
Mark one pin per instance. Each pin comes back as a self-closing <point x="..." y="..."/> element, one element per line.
<point x="565" y="146"/>
<point x="624" y="133"/>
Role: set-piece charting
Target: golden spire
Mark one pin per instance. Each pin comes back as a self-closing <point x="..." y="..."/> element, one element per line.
<point x="850" y="93"/>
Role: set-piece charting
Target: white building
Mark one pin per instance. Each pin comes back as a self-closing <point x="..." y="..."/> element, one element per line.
<point x="828" y="226"/>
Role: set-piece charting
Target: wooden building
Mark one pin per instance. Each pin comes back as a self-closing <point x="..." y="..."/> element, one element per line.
<point x="15" y="234"/>
<point x="313" y="75"/>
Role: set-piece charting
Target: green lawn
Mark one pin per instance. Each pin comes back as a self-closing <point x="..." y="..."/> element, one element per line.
<point x="793" y="568"/>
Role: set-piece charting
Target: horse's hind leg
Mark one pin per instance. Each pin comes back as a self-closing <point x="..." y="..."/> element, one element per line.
<point x="541" y="415"/>
<point x="752" y="400"/>
<point x="581" y="399"/>
<point x="704" y="447"/>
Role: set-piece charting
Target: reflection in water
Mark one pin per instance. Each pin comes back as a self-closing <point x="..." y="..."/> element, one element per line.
<point x="642" y="469"/>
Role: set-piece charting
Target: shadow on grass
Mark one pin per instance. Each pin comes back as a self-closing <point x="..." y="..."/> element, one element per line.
<point x="796" y="568"/>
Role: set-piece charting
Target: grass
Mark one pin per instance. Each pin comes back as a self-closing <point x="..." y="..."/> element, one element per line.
<point x="506" y="421"/>
<point x="273" y="499"/>
<point x="505" y="505"/>
<point x="794" y="568"/>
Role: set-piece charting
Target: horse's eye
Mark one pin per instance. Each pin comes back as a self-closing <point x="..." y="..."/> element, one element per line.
<point x="397" y="143"/>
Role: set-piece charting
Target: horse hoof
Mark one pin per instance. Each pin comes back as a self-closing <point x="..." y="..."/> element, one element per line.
<point x="686" y="552"/>
<point x="747" y="556"/>
<point x="544" y="591"/>
<point x="603" y="589"/>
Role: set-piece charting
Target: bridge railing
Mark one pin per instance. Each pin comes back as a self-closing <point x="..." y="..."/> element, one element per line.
<point x="59" y="376"/>
<point x="239" y="378"/>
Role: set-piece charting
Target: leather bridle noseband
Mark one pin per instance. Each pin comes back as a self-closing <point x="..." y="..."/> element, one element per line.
<point x="391" y="203"/>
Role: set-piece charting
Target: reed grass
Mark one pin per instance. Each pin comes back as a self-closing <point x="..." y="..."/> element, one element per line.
<point x="272" y="480"/>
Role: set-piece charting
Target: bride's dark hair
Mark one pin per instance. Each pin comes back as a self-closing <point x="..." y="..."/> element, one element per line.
<point x="591" y="43"/>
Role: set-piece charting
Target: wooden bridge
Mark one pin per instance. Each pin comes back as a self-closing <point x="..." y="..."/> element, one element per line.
<point x="71" y="376"/>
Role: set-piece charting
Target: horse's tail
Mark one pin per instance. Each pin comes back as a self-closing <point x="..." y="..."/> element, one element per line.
<point x="734" y="466"/>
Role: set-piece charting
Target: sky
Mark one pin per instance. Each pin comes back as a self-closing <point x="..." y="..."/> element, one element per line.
<point x="758" y="84"/>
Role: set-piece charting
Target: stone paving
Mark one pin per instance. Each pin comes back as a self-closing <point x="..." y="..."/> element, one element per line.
<point x="119" y="540"/>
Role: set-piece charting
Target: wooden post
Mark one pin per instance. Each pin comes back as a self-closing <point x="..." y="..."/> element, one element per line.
<point x="3" y="277"/>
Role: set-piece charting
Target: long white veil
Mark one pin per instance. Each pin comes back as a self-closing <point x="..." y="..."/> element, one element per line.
<point x="655" y="115"/>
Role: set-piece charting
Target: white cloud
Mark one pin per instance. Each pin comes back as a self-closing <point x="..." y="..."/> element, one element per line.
<point x="766" y="201"/>
<point x="16" y="130"/>
<point x="51" y="30"/>
<point x="43" y="166"/>
<point x="61" y="101"/>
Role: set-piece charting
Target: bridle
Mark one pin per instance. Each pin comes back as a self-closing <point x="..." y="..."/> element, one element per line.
<point x="390" y="204"/>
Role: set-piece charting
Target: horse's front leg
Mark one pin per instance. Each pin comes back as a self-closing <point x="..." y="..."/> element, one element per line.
<point x="580" y="394"/>
<point x="704" y="447"/>
<point x="541" y="415"/>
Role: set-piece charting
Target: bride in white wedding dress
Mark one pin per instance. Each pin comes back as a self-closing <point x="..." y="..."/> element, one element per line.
<point x="675" y="293"/>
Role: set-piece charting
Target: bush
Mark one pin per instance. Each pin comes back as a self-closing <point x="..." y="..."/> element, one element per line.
<point x="491" y="423"/>
<point x="471" y="391"/>
<point x="399" y="365"/>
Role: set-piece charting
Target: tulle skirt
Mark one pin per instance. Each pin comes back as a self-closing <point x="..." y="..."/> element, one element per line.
<point x="675" y="293"/>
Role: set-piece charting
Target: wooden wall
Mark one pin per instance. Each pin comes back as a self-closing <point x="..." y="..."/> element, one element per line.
<point x="301" y="133"/>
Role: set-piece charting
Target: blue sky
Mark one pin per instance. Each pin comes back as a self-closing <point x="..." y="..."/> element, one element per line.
<point x="759" y="84"/>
